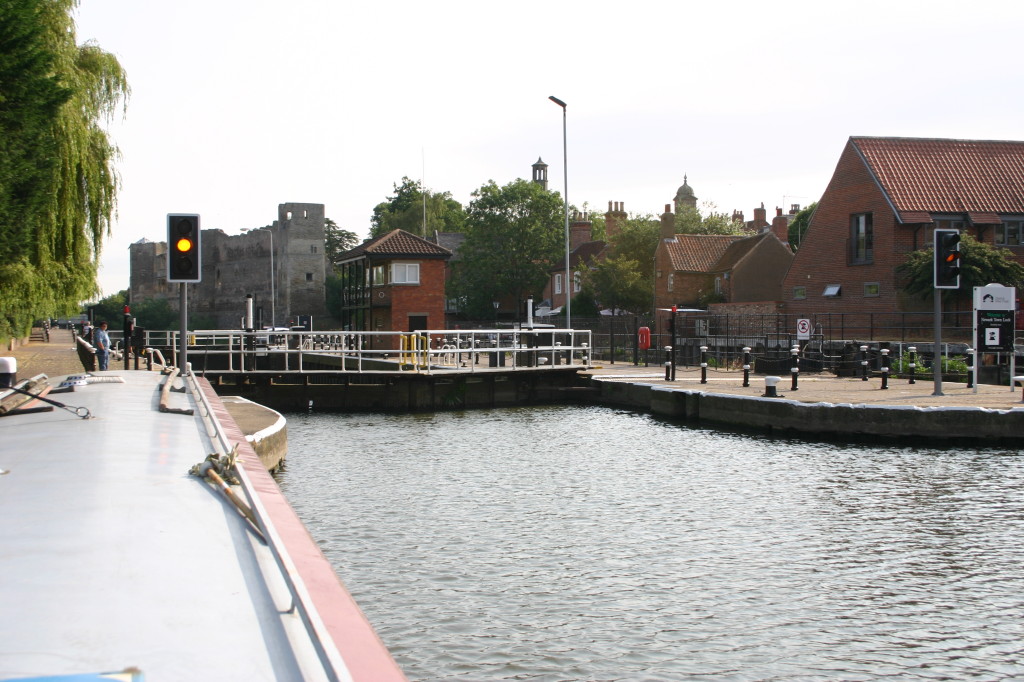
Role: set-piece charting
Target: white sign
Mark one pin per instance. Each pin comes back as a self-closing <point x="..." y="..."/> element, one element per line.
<point x="803" y="329"/>
<point x="995" y="297"/>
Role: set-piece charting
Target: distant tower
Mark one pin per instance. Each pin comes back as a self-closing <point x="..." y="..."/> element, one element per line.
<point x="540" y="173"/>
<point x="685" y="197"/>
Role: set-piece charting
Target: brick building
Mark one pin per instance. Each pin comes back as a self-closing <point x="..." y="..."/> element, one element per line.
<point x="395" y="282"/>
<point x="886" y="197"/>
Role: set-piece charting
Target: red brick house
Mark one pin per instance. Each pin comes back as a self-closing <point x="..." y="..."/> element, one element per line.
<point x="886" y="197"/>
<point x="691" y="269"/>
<point x="395" y="282"/>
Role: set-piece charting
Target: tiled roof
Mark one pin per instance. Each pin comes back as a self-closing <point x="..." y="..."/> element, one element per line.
<point x="738" y="249"/>
<point x="924" y="176"/>
<point x="397" y="244"/>
<point x="699" y="252"/>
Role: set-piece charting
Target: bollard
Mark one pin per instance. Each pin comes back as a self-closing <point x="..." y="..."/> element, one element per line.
<point x="913" y="363"/>
<point x="8" y="372"/>
<point x="668" y="371"/>
<point x="864" y="363"/>
<point x="703" y="364"/>
<point x="1019" y="380"/>
<point x="885" y="369"/>
<point x="795" y="366"/>
<point x="746" y="366"/>
<point x="769" y="387"/>
<point x="972" y="363"/>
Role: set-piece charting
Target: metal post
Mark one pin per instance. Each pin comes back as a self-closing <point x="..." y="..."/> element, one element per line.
<point x="885" y="368"/>
<point x="668" y="363"/>
<point x="913" y="364"/>
<point x="565" y="174"/>
<point x="703" y="364"/>
<point x="864" y="363"/>
<point x="972" y="365"/>
<point x="936" y="352"/>
<point x="795" y="366"/>
<point x="746" y="366"/>
<point x="183" y="326"/>
<point x="672" y="331"/>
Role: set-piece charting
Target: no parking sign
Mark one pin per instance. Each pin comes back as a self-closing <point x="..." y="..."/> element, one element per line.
<point x="803" y="329"/>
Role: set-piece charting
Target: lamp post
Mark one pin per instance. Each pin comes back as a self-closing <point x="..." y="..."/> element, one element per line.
<point x="273" y="292"/>
<point x="565" y="172"/>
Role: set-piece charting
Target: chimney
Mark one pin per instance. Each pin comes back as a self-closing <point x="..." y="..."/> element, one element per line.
<point x="614" y="219"/>
<point x="668" y="223"/>
<point x="580" y="230"/>
<point x="794" y="209"/>
<point x="780" y="227"/>
<point x="737" y="216"/>
<point x="760" y="218"/>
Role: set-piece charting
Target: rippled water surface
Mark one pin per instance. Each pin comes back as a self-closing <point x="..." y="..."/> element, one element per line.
<point x="590" y="544"/>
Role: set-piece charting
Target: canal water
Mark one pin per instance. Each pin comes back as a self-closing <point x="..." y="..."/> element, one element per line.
<point x="575" y="543"/>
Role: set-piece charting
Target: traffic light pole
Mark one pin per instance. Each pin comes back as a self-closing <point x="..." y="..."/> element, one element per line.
<point x="937" y="354"/>
<point x="183" y="326"/>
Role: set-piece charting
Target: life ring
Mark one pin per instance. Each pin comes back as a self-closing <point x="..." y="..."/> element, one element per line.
<point x="643" y="337"/>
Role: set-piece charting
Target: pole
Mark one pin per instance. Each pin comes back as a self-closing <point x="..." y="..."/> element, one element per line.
<point x="565" y="178"/>
<point x="183" y="326"/>
<point x="937" y="350"/>
<point x="273" y="276"/>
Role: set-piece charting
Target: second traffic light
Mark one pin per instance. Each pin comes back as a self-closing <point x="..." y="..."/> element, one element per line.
<point x="947" y="259"/>
<point x="183" y="262"/>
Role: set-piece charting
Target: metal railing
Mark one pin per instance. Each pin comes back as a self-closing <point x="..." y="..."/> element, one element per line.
<point x="428" y="351"/>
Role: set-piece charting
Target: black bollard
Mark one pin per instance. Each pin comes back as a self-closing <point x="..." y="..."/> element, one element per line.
<point x="913" y="364"/>
<point x="703" y="364"/>
<point x="795" y="366"/>
<point x="746" y="366"/>
<point x="864" y="363"/>
<point x="885" y="368"/>
<point x="668" y="363"/>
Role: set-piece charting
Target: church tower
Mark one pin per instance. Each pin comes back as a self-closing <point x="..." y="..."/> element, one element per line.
<point x="685" y="197"/>
<point x="540" y="173"/>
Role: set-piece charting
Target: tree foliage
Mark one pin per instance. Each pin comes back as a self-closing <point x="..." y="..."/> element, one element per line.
<point x="514" y="236"/>
<point x="405" y="210"/>
<point x="980" y="264"/>
<point x="690" y="220"/>
<point x="337" y="241"/>
<point x="798" y="226"/>
<point x="637" y="240"/>
<point x="619" y="284"/>
<point x="57" y="178"/>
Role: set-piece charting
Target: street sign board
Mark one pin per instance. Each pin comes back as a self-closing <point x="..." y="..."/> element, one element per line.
<point x="803" y="329"/>
<point x="994" y="309"/>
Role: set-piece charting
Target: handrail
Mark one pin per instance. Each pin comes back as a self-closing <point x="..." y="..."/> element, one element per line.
<point x="327" y="652"/>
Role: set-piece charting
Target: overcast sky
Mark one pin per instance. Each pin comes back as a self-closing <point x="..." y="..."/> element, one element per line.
<point x="241" y="105"/>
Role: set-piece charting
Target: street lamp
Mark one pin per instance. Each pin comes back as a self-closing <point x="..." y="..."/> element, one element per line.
<point x="565" y="170"/>
<point x="273" y="292"/>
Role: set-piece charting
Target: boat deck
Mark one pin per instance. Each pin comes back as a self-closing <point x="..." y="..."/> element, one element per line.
<point x="116" y="557"/>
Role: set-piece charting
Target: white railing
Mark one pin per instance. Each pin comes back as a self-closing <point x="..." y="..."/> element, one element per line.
<point x="429" y="351"/>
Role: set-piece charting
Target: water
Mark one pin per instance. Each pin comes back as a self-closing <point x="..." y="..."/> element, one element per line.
<point x="575" y="543"/>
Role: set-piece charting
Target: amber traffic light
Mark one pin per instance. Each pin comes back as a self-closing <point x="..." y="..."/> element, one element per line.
<point x="183" y="262"/>
<point x="947" y="259"/>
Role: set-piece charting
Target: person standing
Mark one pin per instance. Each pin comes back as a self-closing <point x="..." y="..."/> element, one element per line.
<point x="101" y="340"/>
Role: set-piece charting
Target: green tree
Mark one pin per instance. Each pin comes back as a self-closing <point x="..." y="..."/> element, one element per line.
<point x="337" y="241"/>
<point x="514" y="236"/>
<point x="619" y="284"/>
<point x="109" y="308"/>
<point x="637" y="240"/>
<point x="156" y="313"/>
<point x="405" y="211"/>
<point x="690" y="220"/>
<point x="798" y="226"/>
<point x="57" y="178"/>
<point x="980" y="264"/>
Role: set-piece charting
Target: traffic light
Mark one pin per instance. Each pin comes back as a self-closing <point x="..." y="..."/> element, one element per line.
<point x="947" y="259"/>
<point x="183" y="263"/>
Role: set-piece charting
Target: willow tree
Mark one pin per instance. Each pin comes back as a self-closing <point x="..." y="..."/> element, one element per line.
<point x="58" y="183"/>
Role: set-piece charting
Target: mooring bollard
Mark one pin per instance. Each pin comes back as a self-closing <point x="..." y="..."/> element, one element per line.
<point x="703" y="364"/>
<point x="746" y="366"/>
<point x="769" y="387"/>
<point x="972" y="364"/>
<point x="668" y="363"/>
<point x="864" y="363"/>
<point x="795" y="366"/>
<point x="1019" y="380"/>
<point x="913" y="363"/>
<point x="885" y="368"/>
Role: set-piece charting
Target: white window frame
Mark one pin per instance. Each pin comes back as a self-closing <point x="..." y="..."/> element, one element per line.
<point x="1009" y="233"/>
<point x="558" y="283"/>
<point x="577" y="282"/>
<point x="671" y="282"/>
<point x="405" y="273"/>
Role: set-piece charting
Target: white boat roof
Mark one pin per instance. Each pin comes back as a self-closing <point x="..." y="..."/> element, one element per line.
<point x="115" y="557"/>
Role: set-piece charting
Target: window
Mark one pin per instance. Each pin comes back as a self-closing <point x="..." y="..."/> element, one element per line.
<point x="576" y="282"/>
<point x="405" y="273"/>
<point x="832" y="290"/>
<point x="377" y="275"/>
<point x="671" y="281"/>
<point x="1009" y="233"/>
<point x="718" y="285"/>
<point x="309" y="276"/>
<point x="861" y="248"/>
<point x="312" y="248"/>
<point x="799" y="292"/>
<point x="558" y="284"/>
<point x="872" y="289"/>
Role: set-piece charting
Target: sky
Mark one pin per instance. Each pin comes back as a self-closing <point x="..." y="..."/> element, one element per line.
<point x="240" y="105"/>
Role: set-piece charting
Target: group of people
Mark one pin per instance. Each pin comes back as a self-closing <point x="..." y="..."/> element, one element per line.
<point x="100" y="340"/>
